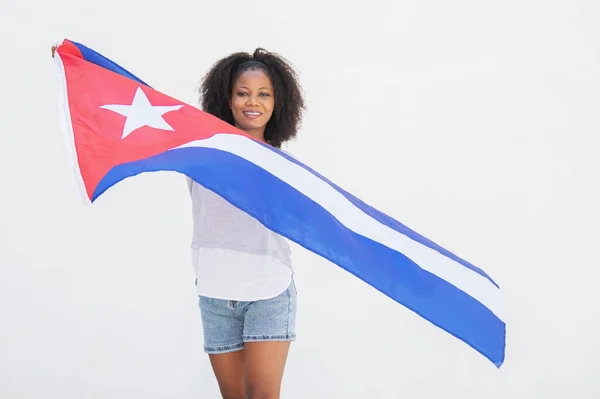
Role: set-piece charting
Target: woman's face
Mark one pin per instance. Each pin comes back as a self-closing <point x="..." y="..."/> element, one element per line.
<point x="252" y="102"/>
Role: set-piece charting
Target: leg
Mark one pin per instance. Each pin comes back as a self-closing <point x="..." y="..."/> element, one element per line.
<point x="229" y="371"/>
<point x="269" y="326"/>
<point x="223" y="323"/>
<point x="265" y="362"/>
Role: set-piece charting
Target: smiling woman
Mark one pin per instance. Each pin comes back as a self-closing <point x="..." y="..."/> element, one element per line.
<point x="262" y="82"/>
<point x="252" y="102"/>
<point x="244" y="277"/>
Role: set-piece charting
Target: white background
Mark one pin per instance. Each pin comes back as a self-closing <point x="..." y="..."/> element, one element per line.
<point x="474" y="122"/>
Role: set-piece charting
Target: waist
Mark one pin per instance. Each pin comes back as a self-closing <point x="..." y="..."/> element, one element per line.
<point x="278" y="249"/>
<point x="239" y="275"/>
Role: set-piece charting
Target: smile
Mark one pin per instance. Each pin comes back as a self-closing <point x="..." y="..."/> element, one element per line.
<point x="252" y="114"/>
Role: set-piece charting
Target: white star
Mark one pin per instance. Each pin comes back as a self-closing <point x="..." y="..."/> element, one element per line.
<point x="142" y="113"/>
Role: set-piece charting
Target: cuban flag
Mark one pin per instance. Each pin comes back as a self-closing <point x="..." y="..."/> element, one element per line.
<point x="117" y="126"/>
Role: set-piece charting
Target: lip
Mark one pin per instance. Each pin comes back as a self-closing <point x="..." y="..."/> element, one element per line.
<point x="251" y="113"/>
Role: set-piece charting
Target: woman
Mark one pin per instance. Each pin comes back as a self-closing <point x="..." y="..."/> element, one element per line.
<point x="244" y="276"/>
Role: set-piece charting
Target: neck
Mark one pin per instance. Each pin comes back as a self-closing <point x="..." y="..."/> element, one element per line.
<point x="258" y="134"/>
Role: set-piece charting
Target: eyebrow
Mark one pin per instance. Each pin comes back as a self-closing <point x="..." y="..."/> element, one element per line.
<point x="246" y="87"/>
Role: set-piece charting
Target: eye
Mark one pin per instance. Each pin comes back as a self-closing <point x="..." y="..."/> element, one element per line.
<point x="265" y="94"/>
<point x="241" y="93"/>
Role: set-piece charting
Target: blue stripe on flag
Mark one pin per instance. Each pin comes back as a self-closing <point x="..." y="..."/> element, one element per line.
<point x="98" y="59"/>
<point x="389" y="221"/>
<point x="286" y="211"/>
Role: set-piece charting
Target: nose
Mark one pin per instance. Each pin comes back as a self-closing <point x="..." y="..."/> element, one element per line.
<point x="252" y="100"/>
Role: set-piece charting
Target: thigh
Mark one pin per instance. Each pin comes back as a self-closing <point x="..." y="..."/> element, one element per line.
<point x="269" y="327"/>
<point x="229" y="371"/>
<point x="265" y="363"/>
<point x="222" y="323"/>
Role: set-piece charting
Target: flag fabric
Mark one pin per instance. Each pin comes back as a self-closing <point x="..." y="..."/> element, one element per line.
<point x="117" y="126"/>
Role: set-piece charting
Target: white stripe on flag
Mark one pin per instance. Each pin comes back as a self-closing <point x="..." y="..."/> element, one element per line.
<point x="465" y="279"/>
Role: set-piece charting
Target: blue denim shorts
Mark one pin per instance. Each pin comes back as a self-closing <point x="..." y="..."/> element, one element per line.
<point x="228" y="325"/>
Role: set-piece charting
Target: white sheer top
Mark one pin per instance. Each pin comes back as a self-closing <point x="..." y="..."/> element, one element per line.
<point x="234" y="256"/>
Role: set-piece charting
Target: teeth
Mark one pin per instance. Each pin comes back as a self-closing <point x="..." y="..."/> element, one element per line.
<point x="252" y="113"/>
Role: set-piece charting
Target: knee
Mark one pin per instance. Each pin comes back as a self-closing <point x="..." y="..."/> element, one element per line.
<point x="257" y="392"/>
<point x="233" y="393"/>
<point x="233" y="396"/>
<point x="262" y="395"/>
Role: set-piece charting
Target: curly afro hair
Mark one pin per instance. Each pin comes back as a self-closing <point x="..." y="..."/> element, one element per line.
<point x="217" y="84"/>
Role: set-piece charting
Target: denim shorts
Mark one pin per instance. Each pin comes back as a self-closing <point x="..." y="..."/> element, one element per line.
<point x="228" y="324"/>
